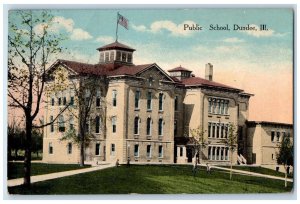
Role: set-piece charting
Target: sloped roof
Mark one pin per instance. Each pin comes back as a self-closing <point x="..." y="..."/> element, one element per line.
<point x="115" y="45"/>
<point x="198" y="81"/>
<point x="180" y="68"/>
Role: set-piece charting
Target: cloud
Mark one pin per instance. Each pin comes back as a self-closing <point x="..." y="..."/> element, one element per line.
<point x="60" y="23"/>
<point x="233" y="40"/>
<point x="79" y="34"/>
<point x="258" y="33"/>
<point x="105" y="39"/>
<point x="173" y="28"/>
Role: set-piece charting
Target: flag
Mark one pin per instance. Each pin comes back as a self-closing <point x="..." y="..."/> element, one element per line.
<point x="123" y="21"/>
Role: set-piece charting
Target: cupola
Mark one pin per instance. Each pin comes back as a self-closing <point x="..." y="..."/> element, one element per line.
<point x="180" y="72"/>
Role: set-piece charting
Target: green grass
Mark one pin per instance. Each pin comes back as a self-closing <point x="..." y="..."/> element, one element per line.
<point x="260" y="170"/>
<point x="15" y="169"/>
<point x="154" y="180"/>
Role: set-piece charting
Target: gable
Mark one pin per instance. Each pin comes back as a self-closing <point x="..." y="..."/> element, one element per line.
<point x="156" y="73"/>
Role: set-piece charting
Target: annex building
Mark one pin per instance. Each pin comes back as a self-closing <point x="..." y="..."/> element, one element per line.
<point x="143" y="113"/>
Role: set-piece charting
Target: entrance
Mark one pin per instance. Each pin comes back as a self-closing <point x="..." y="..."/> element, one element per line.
<point x="189" y="154"/>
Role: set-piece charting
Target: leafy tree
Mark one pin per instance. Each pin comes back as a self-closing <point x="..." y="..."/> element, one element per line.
<point x="31" y="44"/>
<point x="285" y="156"/>
<point x="16" y="136"/>
<point x="37" y="141"/>
<point x="231" y="143"/>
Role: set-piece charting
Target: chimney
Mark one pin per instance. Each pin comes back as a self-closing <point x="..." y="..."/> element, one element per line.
<point x="209" y="71"/>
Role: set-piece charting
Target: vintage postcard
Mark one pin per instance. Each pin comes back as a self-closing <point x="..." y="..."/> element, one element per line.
<point x="150" y="101"/>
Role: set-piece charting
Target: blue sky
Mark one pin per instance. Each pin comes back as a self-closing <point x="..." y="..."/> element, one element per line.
<point x="260" y="62"/>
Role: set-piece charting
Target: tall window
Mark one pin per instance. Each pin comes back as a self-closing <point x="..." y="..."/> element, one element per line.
<point x="218" y="107"/>
<point x="209" y="129"/>
<point x="124" y="56"/>
<point x="69" y="148"/>
<point x="129" y="57"/>
<point x="136" y="150"/>
<point x="181" y="151"/>
<point x="148" y="151"/>
<point x="118" y="56"/>
<point x="50" y="148"/>
<point x="52" y="101"/>
<point x="136" y="125"/>
<point x="71" y="123"/>
<point x="101" y="57"/>
<point x="114" y="96"/>
<point x="87" y="97"/>
<point x="59" y="101"/>
<point x="61" y="123"/>
<point x="149" y="100"/>
<point x="64" y="100"/>
<point x="97" y="149"/>
<point x="222" y="107"/>
<point x="278" y="136"/>
<point x="97" y="124"/>
<point x="218" y="131"/>
<point x="160" y="126"/>
<point x="106" y="56"/>
<point x="176" y="103"/>
<point x="214" y="106"/>
<point x="175" y="127"/>
<point x="113" y="150"/>
<point x="98" y="98"/>
<point x="272" y="136"/>
<point x="52" y="124"/>
<point x="222" y="130"/>
<point x="160" y="104"/>
<point x="137" y="99"/>
<point x="209" y="105"/>
<point x="72" y="100"/>
<point x="112" y="56"/>
<point x="113" y="123"/>
<point x="213" y="130"/>
<point x="226" y="107"/>
<point x="160" y="151"/>
<point x="149" y="121"/>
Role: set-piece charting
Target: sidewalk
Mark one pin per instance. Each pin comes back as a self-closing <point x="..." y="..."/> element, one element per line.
<point x="44" y="177"/>
<point x="252" y="173"/>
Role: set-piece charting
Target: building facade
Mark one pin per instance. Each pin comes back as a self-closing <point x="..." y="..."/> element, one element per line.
<point x="142" y="113"/>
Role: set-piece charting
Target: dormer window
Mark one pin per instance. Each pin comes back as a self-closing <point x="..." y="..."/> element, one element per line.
<point x="118" y="57"/>
<point x="112" y="56"/>
<point x="129" y="57"/>
<point x="124" y="56"/>
<point x="106" y="56"/>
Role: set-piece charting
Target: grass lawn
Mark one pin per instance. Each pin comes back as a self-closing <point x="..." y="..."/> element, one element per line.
<point x="15" y="169"/>
<point x="152" y="179"/>
<point x="260" y="170"/>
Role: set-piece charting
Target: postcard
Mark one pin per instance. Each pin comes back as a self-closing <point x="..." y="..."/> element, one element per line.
<point x="150" y="101"/>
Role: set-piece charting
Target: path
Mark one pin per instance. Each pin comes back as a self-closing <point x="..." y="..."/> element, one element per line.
<point x="44" y="177"/>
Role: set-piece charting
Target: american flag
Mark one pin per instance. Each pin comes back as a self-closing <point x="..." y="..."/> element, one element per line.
<point x="123" y="21"/>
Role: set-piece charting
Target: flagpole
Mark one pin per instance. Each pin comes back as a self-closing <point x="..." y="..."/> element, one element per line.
<point x="117" y="27"/>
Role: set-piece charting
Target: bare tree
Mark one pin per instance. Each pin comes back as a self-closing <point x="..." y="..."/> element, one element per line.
<point x="31" y="44"/>
<point x="231" y="143"/>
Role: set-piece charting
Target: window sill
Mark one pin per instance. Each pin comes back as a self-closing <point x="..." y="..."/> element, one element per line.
<point x="149" y="137"/>
<point x="160" y="111"/>
<point x="136" y="109"/>
<point x="149" y="110"/>
<point x="136" y="136"/>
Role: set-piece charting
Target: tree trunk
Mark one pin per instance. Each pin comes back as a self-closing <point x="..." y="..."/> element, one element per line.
<point x="231" y="165"/>
<point x="82" y="146"/>
<point x="27" y="159"/>
<point x="285" y="176"/>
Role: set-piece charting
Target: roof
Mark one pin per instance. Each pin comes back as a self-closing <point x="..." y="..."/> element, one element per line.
<point x="198" y="81"/>
<point x="180" y="68"/>
<point x="115" y="45"/>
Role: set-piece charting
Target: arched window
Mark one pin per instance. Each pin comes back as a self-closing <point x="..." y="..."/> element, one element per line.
<point x="113" y="123"/>
<point x="160" y="126"/>
<point x="149" y="121"/>
<point x="97" y="124"/>
<point x="136" y="125"/>
<point x="160" y="104"/>
<point x="114" y="97"/>
<point x="61" y="124"/>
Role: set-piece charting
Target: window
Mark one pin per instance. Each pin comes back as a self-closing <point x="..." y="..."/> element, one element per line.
<point x="149" y="101"/>
<point x="106" y="56"/>
<point x="136" y="125"/>
<point x="278" y="136"/>
<point x="59" y="101"/>
<point x="213" y="130"/>
<point x="160" y="126"/>
<point x="148" y="151"/>
<point x="113" y="122"/>
<point x="160" y="151"/>
<point x="226" y="107"/>
<point x="226" y="131"/>
<point x="101" y="57"/>
<point x="160" y="103"/>
<point x="137" y="99"/>
<point x="218" y="131"/>
<point x="136" y="150"/>
<point x="150" y="80"/>
<point x="64" y="101"/>
<point x="50" y="148"/>
<point x="218" y="107"/>
<point x="97" y="124"/>
<point x="214" y="106"/>
<point x="209" y="153"/>
<point x="149" y="122"/>
<point x="87" y="97"/>
<point x="240" y="133"/>
<point x="129" y="57"/>
<point x="124" y="56"/>
<point x="69" y="148"/>
<point x="181" y="151"/>
<point x="97" y="149"/>
<point x="213" y="153"/>
<point x="72" y="100"/>
<point x="87" y="126"/>
<point x="175" y="127"/>
<point x="176" y="103"/>
<point x="272" y="156"/>
<point x="209" y="129"/>
<point x="272" y="136"/>
<point x="112" y="56"/>
<point x="52" y="124"/>
<point x="71" y="123"/>
<point x="52" y="101"/>
<point x="114" y="96"/>
<point x="209" y="105"/>
<point x="113" y="149"/>
<point x="98" y="98"/>
<point x="61" y="124"/>
<point x="118" y="56"/>
<point x="222" y="130"/>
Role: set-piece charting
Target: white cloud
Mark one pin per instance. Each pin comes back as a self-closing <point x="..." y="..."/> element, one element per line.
<point x="233" y="40"/>
<point x="173" y="28"/>
<point x="79" y="34"/>
<point x="259" y="33"/>
<point x="59" y="23"/>
<point x="105" y="39"/>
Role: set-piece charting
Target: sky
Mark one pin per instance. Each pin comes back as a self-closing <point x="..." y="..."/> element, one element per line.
<point x="259" y="62"/>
